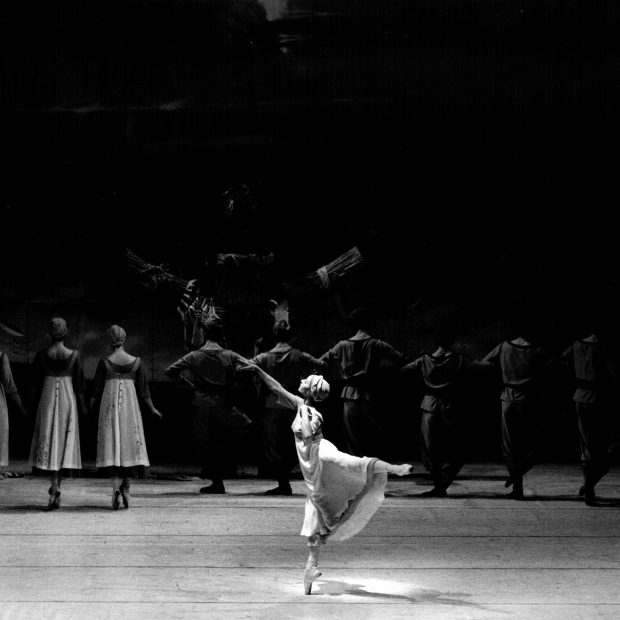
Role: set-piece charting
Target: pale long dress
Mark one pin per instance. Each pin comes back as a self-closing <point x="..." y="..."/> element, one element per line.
<point x="56" y="439"/>
<point x="344" y="491"/>
<point x="120" y="439"/>
<point x="7" y="387"/>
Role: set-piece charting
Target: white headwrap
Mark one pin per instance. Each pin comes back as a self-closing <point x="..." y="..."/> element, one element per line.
<point x="318" y="388"/>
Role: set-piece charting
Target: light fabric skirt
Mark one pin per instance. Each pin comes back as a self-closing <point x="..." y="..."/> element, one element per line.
<point x="344" y="491"/>
<point x="120" y="439"/>
<point x="56" y="439"/>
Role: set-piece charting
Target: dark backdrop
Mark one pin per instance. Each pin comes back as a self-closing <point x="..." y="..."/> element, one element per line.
<point x="468" y="148"/>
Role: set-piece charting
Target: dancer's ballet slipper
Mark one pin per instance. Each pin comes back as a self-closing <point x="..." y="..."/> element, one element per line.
<point x="54" y="500"/>
<point x="312" y="574"/>
<point x="116" y="499"/>
<point x="403" y="470"/>
<point x="125" y="496"/>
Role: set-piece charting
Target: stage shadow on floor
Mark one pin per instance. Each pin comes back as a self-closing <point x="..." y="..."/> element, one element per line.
<point x="555" y="498"/>
<point x="606" y="502"/>
<point x="485" y="477"/>
<point x="413" y="596"/>
<point x="500" y="494"/>
<point x="227" y="494"/>
<point x="30" y="508"/>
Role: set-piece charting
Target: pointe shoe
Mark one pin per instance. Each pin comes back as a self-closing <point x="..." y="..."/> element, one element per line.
<point x="116" y="499"/>
<point x="311" y="575"/>
<point x="582" y="490"/>
<point x="125" y="496"/>
<point x="508" y="482"/>
<point x="590" y="497"/>
<point x="401" y="470"/>
<point x="406" y="469"/>
<point x="54" y="500"/>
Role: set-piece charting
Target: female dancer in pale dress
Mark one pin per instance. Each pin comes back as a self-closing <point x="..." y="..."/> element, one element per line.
<point x="7" y="389"/>
<point x="121" y="448"/>
<point x="344" y="491"/>
<point x="59" y="385"/>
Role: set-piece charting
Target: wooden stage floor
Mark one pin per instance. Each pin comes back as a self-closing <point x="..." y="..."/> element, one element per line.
<point x="178" y="554"/>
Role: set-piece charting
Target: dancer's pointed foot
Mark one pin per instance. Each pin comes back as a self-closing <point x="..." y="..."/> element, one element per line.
<point x="116" y="499"/>
<point x="590" y="497"/>
<point x="212" y="489"/>
<point x="402" y="470"/>
<point x="582" y="490"/>
<point x="508" y="482"/>
<point x="312" y="574"/>
<point x="434" y="492"/>
<point x="281" y="489"/>
<point x="125" y="495"/>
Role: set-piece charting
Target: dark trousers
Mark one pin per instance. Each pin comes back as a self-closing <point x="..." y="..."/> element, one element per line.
<point x="441" y="437"/>
<point x="211" y="432"/>
<point x="594" y="457"/>
<point x="278" y="442"/>
<point x="520" y="437"/>
<point x="363" y="435"/>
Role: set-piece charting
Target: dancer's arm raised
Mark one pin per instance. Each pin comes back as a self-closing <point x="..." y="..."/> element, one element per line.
<point x="284" y="396"/>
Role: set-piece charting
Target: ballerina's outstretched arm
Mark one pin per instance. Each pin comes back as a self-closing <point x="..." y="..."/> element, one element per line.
<point x="284" y="396"/>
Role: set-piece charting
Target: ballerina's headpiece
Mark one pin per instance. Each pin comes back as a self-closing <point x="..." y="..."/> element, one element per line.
<point x="318" y="388"/>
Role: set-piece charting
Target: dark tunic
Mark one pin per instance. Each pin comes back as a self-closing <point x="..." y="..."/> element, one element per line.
<point x="288" y="366"/>
<point x="441" y="431"/>
<point x="357" y="364"/>
<point x="441" y="375"/>
<point x="212" y="370"/>
<point x="522" y="368"/>
<point x="590" y="362"/>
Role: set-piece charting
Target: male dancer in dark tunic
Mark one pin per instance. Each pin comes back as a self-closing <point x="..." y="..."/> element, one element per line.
<point x="441" y="428"/>
<point x="593" y="370"/>
<point x="356" y="361"/>
<point x="288" y="366"/>
<point x="523" y="366"/>
<point x="211" y="371"/>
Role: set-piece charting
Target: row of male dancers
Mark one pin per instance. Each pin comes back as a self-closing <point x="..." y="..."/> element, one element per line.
<point x="212" y="371"/>
<point x="355" y="362"/>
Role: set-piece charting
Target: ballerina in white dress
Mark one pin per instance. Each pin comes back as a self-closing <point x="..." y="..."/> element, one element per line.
<point x="344" y="491"/>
